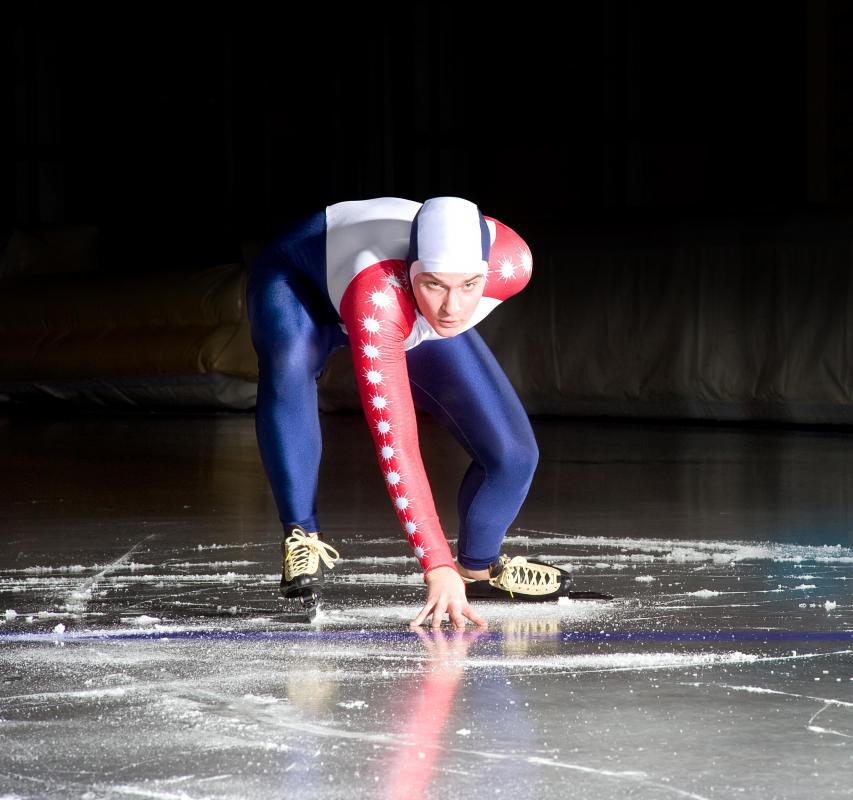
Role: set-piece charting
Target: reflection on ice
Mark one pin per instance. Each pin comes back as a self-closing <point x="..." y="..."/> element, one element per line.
<point x="177" y="675"/>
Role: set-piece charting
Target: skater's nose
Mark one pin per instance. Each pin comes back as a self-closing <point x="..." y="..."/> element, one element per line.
<point x="452" y="302"/>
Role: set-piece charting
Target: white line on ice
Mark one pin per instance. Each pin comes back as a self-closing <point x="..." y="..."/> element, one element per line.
<point x="84" y="694"/>
<point x="635" y="777"/>
<point x="818" y="729"/>
<point x="140" y="791"/>
<point x="761" y="690"/>
<point x="828" y="702"/>
<point x="80" y="597"/>
<point x="640" y="777"/>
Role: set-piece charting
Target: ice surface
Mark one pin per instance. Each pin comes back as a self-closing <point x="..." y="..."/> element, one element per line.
<point x="655" y="694"/>
<point x="179" y="673"/>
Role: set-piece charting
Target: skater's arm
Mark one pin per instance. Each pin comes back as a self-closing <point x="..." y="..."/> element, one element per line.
<point x="378" y="313"/>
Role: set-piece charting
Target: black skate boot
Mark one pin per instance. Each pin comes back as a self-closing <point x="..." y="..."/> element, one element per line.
<point x="302" y="570"/>
<point x="525" y="579"/>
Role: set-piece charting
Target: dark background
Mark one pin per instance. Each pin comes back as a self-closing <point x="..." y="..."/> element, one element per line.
<point x="181" y="137"/>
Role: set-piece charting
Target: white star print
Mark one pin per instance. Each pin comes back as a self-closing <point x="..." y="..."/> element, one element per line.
<point x="402" y="502"/>
<point x="371" y="324"/>
<point x="411" y="528"/>
<point x="370" y="351"/>
<point x="526" y="260"/>
<point x="507" y="268"/>
<point x="393" y="280"/>
<point x="392" y="477"/>
<point x="379" y="299"/>
<point x="378" y="401"/>
<point x="383" y="427"/>
<point x="387" y="452"/>
<point x="419" y="552"/>
<point x="374" y="376"/>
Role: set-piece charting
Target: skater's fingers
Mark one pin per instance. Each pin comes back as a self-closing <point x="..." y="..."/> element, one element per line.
<point x="469" y="612"/>
<point x="454" y="613"/>
<point x="456" y="618"/>
<point x="438" y="614"/>
<point x="423" y="615"/>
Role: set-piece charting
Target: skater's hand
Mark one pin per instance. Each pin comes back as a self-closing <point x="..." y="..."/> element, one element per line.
<point x="446" y="594"/>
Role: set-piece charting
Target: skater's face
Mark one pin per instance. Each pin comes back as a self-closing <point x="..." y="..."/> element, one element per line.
<point x="447" y="299"/>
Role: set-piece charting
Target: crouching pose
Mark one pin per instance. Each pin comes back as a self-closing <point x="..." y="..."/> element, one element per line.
<point x="404" y="284"/>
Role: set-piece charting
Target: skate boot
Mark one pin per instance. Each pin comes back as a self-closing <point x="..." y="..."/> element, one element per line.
<point x="303" y="556"/>
<point x="526" y="579"/>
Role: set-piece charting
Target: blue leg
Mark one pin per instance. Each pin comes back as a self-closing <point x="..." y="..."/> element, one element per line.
<point x="459" y="381"/>
<point x="293" y="336"/>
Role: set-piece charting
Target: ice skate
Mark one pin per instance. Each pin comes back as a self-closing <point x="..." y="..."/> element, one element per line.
<point x="303" y="556"/>
<point x="525" y="579"/>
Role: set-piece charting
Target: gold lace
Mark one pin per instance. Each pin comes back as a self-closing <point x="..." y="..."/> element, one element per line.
<point x="303" y="552"/>
<point x="521" y="576"/>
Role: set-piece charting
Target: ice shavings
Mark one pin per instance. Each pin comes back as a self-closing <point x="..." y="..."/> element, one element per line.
<point x="685" y="550"/>
<point x="81" y="694"/>
<point x="119" y="632"/>
<point x="79" y="598"/>
<point x="239" y="546"/>
<point x="378" y="559"/>
<point x="263" y="700"/>
<point x="42" y="570"/>
<point x="143" y="620"/>
<point x="211" y="564"/>
<point x="153" y="578"/>
<point x="615" y="662"/>
<point x="353" y="704"/>
<point x="380" y="577"/>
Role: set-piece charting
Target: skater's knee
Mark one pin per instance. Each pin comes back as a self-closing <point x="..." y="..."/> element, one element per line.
<point x="516" y="458"/>
<point x="524" y="459"/>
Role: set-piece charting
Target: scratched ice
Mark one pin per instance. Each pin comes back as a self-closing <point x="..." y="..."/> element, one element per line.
<point x="723" y="669"/>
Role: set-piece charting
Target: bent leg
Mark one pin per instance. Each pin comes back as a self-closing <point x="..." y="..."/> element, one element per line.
<point x="459" y="381"/>
<point x="292" y="347"/>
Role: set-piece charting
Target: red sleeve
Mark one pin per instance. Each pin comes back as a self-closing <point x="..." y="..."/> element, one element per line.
<point x="378" y="310"/>
<point x="510" y="263"/>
